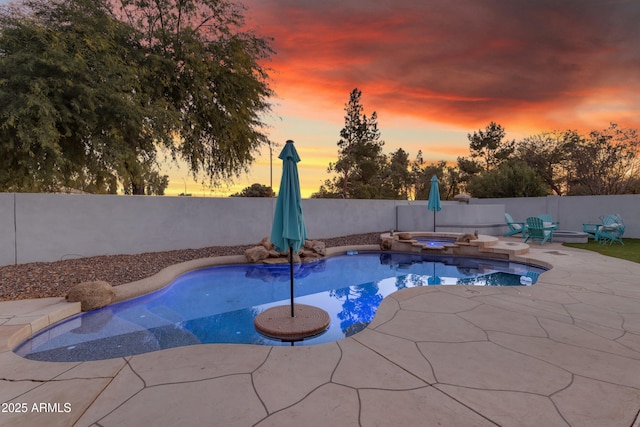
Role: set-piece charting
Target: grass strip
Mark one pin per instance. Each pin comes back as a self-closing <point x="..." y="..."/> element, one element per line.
<point x="630" y="251"/>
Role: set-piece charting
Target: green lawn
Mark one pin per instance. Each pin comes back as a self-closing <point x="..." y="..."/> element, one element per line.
<point x="630" y="251"/>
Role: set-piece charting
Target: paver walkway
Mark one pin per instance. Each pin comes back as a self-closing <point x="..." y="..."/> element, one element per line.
<point x="563" y="352"/>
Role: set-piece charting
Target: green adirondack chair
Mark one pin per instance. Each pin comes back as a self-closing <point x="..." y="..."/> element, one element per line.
<point x="514" y="227"/>
<point x="537" y="231"/>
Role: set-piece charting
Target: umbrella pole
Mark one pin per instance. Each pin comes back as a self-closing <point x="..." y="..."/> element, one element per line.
<point x="291" y="279"/>
<point x="434" y="220"/>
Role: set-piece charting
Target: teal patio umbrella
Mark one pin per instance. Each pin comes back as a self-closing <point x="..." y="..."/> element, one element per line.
<point x="434" y="199"/>
<point x="288" y="232"/>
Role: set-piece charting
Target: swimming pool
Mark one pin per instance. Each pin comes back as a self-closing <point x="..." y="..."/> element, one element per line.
<point x="218" y="304"/>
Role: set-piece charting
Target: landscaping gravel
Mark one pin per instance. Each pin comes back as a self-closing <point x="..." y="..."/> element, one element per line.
<point x="54" y="279"/>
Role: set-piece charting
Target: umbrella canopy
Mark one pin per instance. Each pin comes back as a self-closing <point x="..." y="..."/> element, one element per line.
<point x="434" y="199"/>
<point x="288" y="230"/>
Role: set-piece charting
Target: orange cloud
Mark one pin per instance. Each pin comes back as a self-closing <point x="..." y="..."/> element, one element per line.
<point x="464" y="63"/>
<point x="435" y="71"/>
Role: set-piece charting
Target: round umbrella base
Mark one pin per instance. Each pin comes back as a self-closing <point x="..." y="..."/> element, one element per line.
<point x="276" y="322"/>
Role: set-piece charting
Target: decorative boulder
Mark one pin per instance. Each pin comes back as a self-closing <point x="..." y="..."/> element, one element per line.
<point x="404" y="236"/>
<point x="309" y="254"/>
<point x="257" y="253"/>
<point x="274" y="254"/>
<point x="92" y="295"/>
<point x="386" y="244"/>
<point x="266" y="243"/>
<point x="316" y="246"/>
<point x="266" y="252"/>
<point x="466" y="238"/>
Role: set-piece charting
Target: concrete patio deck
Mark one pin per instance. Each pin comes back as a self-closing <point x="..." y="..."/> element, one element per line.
<point x="563" y="352"/>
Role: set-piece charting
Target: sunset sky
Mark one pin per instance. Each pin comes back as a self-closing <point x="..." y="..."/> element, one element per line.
<point x="436" y="70"/>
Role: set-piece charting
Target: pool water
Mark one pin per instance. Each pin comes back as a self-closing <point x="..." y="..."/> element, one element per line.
<point x="218" y="304"/>
<point x="434" y="240"/>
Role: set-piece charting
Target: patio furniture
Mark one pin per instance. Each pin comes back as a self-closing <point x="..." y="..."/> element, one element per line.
<point x="610" y="230"/>
<point x="514" y="227"/>
<point x="536" y="230"/>
<point x="547" y="220"/>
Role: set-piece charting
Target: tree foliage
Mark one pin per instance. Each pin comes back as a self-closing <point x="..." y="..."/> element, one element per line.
<point x="360" y="158"/>
<point x="397" y="179"/>
<point x="511" y="178"/>
<point x="211" y="78"/>
<point x="65" y="96"/>
<point x="449" y="182"/>
<point x="604" y="162"/>
<point x="557" y="162"/>
<point x="256" y="190"/>
<point x="548" y="155"/>
<point x="488" y="148"/>
<point x="88" y="94"/>
<point x="567" y="163"/>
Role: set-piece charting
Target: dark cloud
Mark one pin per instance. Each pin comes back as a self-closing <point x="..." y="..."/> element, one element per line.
<point x="456" y="61"/>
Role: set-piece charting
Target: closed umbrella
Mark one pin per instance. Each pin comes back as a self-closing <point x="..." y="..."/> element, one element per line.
<point x="434" y="199"/>
<point x="288" y="232"/>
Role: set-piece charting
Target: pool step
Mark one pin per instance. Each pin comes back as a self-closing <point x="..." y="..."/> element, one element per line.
<point x="22" y="318"/>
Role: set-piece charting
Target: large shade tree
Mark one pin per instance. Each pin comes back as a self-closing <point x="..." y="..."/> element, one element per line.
<point x="604" y="161"/>
<point x="90" y="90"/>
<point x="68" y="93"/>
<point x="207" y="67"/>
<point x="548" y="155"/>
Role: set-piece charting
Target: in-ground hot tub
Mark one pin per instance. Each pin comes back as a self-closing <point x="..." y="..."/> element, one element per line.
<point x="456" y="244"/>
<point x="433" y="242"/>
<point x="570" y="236"/>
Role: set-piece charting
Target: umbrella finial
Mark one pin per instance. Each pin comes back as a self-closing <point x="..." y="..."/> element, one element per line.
<point x="289" y="141"/>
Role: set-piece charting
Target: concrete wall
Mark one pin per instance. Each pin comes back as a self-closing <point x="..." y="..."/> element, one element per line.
<point x="338" y="217"/>
<point x="454" y="217"/>
<point x="7" y="229"/>
<point x="51" y="227"/>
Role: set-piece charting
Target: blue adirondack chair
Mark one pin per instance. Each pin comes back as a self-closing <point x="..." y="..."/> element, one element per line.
<point x="609" y="230"/>
<point x="548" y="221"/>
<point x="514" y="227"/>
<point x="537" y="231"/>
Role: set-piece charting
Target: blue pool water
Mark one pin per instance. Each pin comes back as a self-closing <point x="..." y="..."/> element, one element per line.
<point x="218" y="304"/>
<point x="434" y="240"/>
